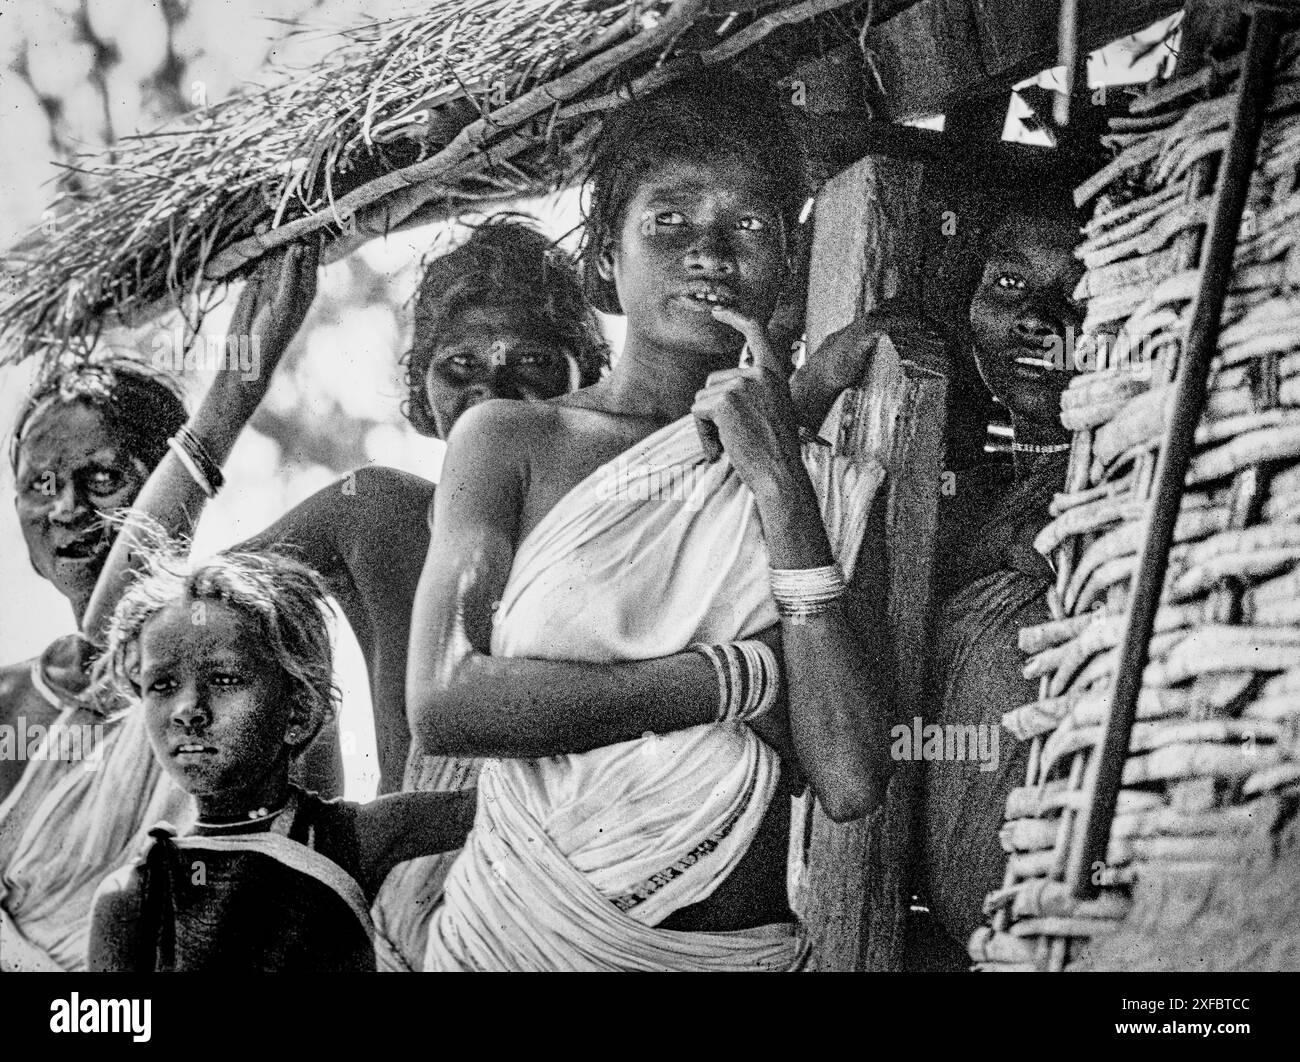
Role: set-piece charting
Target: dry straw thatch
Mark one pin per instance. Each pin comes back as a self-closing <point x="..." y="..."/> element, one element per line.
<point x="1213" y="773"/>
<point x="418" y="118"/>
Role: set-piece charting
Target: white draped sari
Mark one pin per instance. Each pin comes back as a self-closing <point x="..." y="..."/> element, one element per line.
<point x="65" y="827"/>
<point x="574" y="860"/>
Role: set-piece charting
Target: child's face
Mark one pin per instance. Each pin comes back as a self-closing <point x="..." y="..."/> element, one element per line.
<point x="1022" y="312"/>
<point x="216" y="704"/>
<point x="695" y="235"/>
<point x="72" y="470"/>
<point x="490" y="354"/>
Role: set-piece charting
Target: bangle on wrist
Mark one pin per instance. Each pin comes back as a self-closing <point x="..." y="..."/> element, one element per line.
<point x="749" y="678"/>
<point x="196" y="460"/>
<point x="804" y="592"/>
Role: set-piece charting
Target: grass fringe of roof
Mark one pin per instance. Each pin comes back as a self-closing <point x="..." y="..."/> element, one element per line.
<point x="417" y="118"/>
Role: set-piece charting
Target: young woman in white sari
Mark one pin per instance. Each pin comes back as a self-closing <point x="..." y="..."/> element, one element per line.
<point x="634" y="598"/>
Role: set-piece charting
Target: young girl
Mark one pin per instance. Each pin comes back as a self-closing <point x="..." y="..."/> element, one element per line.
<point x="596" y="608"/>
<point x="231" y="662"/>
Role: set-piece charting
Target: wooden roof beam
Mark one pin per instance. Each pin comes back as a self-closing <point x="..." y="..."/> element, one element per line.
<point x="938" y="52"/>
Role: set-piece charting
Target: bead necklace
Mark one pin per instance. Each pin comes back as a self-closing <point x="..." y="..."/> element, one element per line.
<point x="1039" y="448"/>
<point x="256" y="815"/>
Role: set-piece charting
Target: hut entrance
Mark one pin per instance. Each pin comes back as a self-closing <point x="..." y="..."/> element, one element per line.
<point x="896" y="227"/>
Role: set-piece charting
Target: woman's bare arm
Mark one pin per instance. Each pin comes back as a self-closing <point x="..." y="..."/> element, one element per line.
<point x="836" y="669"/>
<point x="270" y="310"/>
<point x="367" y="534"/>
<point x="402" y="826"/>
<point x="462" y="700"/>
<point x="842" y="359"/>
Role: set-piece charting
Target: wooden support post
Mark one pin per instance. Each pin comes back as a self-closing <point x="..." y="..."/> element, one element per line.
<point x="851" y="883"/>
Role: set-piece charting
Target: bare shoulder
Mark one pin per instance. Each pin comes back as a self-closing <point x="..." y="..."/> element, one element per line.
<point x="502" y="442"/>
<point x="377" y="501"/>
<point x="400" y="826"/>
<point x="376" y="489"/>
<point x="390" y="484"/>
<point x="507" y="426"/>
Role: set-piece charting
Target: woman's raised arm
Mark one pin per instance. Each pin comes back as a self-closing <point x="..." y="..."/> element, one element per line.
<point x="270" y="310"/>
<point x="460" y="699"/>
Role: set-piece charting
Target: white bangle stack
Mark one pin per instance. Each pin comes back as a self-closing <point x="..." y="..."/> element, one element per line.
<point x="749" y="678"/>
<point x="803" y="592"/>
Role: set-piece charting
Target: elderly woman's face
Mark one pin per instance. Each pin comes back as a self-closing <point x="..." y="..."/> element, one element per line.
<point x="490" y="353"/>
<point x="72" y="471"/>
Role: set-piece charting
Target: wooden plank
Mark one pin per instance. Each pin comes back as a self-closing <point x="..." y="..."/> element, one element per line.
<point x="834" y="141"/>
<point x="937" y="52"/>
<point x="1208" y="26"/>
<point x="850" y="882"/>
<point x="1017" y="34"/>
<point x="924" y="57"/>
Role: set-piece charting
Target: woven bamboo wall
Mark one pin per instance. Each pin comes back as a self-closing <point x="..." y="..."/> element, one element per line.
<point x="1213" y="772"/>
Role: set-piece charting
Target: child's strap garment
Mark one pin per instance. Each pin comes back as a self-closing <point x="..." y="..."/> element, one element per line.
<point x="282" y="899"/>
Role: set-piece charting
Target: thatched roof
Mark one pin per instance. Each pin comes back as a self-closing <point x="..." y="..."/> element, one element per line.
<point x="411" y="120"/>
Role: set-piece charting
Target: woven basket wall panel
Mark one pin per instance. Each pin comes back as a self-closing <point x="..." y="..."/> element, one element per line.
<point x="1214" y="766"/>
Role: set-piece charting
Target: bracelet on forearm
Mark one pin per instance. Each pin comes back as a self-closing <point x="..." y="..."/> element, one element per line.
<point x="749" y="678"/>
<point x="187" y="462"/>
<point x="803" y="592"/>
<point x="194" y="446"/>
<point x="196" y="460"/>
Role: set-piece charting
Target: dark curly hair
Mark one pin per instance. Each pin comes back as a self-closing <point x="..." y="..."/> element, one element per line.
<point x="142" y="406"/>
<point x="509" y="265"/>
<point x="708" y="116"/>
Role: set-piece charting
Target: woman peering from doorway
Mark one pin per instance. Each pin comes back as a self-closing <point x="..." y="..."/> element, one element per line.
<point x="1024" y="322"/>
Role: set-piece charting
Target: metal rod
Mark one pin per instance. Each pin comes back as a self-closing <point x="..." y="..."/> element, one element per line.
<point x="1069" y="55"/>
<point x="1106" y="768"/>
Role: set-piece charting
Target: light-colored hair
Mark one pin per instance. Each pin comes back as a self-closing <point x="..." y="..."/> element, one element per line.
<point x="284" y="597"/>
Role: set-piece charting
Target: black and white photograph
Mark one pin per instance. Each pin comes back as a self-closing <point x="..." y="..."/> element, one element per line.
<point x="709" y="486"/>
